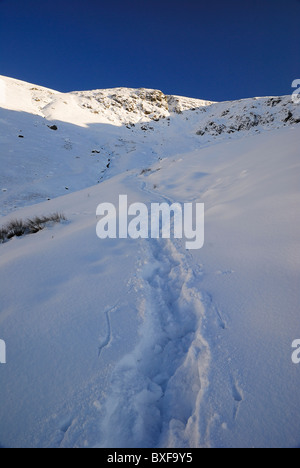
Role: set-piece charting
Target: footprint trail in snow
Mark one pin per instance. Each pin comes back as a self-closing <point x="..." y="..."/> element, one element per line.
<point x="157" y="389"/>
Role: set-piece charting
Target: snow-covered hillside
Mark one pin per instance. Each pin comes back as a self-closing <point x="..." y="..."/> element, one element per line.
<point x="54" y="143"/>
<point x="140" y="343"/>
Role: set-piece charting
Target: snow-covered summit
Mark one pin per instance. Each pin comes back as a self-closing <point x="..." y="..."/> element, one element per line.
<point x="127" y="106"/>
<point x="104" y="132"/>
<point x="131" y="106"/>
<point x="116" y="106"/>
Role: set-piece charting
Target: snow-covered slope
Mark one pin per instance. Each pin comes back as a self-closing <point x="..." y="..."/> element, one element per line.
<point x="124" y="343"/>
<point x="103" y="133"/>
<point x="116" y="106"/>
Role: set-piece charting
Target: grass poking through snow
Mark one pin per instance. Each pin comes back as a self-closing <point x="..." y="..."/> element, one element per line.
<point x="18" y="228"/>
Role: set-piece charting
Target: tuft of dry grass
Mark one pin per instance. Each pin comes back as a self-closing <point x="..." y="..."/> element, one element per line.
<point x="18" y="228"/>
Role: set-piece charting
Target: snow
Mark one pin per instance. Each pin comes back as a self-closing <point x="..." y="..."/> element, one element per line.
<point x="141" y="343"/>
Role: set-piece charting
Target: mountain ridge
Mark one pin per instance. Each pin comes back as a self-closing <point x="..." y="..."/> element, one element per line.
<point x="98" y="134"/>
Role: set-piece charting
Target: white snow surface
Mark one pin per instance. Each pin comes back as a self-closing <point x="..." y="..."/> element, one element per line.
<point x="141" y="343"/>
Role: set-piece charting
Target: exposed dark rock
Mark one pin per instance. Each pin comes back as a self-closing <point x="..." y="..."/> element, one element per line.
<point x="289" y="117"/>
<point x="274" y="102"/>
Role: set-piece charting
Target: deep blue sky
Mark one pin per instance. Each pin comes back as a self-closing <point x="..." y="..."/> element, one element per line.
<point x="215" y="49"/>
